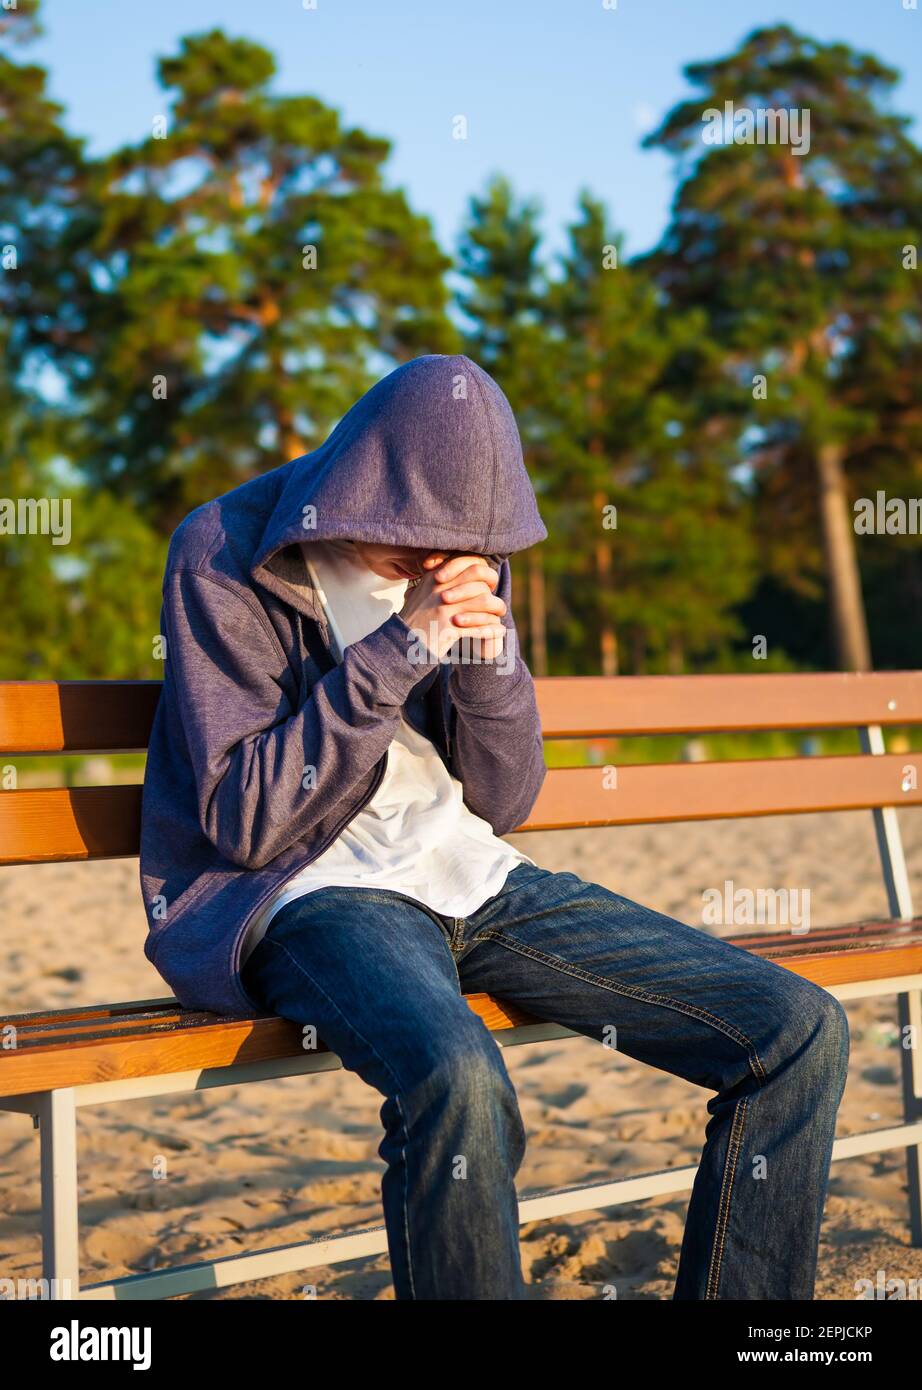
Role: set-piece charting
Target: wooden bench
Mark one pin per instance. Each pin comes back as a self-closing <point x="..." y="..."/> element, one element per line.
<point x="53" y="1063"/>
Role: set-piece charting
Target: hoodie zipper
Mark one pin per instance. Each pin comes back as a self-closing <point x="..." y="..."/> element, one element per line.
<point x="445" y="720"/>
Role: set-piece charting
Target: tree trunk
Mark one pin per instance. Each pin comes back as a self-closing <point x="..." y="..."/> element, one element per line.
<point x="537" y="613"/>
<point x="523" y="614"/>
<point x="608" y="641"/>
<point x="290" y="442"/>
<point x="849" y="623"/>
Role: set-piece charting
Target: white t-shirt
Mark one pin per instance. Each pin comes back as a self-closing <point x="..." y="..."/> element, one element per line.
<point x="415" y="836"/>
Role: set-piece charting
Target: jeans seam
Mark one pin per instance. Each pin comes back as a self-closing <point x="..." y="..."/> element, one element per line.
<point x="406" y="1195"/>
<point x="633" y="992"/>
<point x="389" y="1069"/>
<point x="734" y="1144"/>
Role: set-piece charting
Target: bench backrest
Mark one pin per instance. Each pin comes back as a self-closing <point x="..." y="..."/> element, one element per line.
<point x="115" y="716"/>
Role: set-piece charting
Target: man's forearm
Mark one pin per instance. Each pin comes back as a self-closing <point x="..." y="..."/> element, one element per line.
<point x="497" y="748"/>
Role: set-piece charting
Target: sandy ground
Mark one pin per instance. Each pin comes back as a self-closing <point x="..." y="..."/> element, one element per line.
<point x="265" y="1165"/>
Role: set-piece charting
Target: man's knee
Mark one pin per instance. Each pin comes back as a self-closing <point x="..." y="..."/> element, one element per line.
<point x="812" y="1027"/>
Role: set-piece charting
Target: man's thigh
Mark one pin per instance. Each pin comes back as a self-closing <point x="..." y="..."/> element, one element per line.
<point x="372" y="973"/>
<point x="572" y="951"/>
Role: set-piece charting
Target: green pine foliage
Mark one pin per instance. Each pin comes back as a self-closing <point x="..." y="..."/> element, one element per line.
<point x="794" y="252"/>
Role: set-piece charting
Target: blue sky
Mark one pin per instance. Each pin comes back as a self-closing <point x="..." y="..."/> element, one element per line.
<point x="557" y="92"/>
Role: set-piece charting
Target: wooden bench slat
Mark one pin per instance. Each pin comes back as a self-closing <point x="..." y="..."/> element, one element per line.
<point x="117" y="1035"/>
<point x="76" y="1063"/>
<point x="93" y="1011"/>
<point x="656" y="793"/>
<point x="116" y="716"/>
<point x="50" y="1032"/>
<point x="593" y="706"/>
<point x="888" y="951"/>
<point x="855" y="932"/>
<point x="60" y="824"/>
<point x="865" y="936"/>
<point x="76" y="716"/>
<point x="787" y="950"/>
<point x="853" y="967"/>
<point x="221" y="1043"/>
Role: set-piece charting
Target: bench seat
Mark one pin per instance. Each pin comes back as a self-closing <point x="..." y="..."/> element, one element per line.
<point x="103" y="1043"/>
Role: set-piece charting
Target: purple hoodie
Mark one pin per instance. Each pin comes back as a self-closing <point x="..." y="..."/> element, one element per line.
<point x="253" y="698"/>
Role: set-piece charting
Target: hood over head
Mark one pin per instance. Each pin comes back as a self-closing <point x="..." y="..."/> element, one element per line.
<point x="430" y="456"/>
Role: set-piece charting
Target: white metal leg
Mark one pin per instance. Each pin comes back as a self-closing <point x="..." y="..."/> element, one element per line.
<point x="910" y="1027"/>
<point x="57" y="1122"/>
<point x="899" y="901"/>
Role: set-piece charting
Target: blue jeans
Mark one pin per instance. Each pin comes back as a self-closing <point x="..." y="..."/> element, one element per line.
<point x="381" y="977"/>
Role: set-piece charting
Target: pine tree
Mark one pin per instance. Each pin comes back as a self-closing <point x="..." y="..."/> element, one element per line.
<point x="44" y="293"/>
<point x="502" y="301"/>
<point x="790" y="249"/>
<point x="257" y="273"/>
<point x="651" y="510"/>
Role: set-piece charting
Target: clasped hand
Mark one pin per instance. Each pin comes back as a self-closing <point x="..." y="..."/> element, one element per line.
<point x="456" y="597"/>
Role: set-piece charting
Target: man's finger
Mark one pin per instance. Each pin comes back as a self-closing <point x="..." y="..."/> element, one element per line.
<point x="480" y="602"/>
<point x="481" y="575"/>
<point x="472" y="615"/>
<point x="458" y="564"/>
<point x="472" y="589"/>
<point x="493" y="634"/>
<point x="475" y="571"/>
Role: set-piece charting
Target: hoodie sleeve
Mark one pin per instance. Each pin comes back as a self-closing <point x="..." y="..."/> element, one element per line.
<point x="266" y="769"/>
<point x="497" y="745"/>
